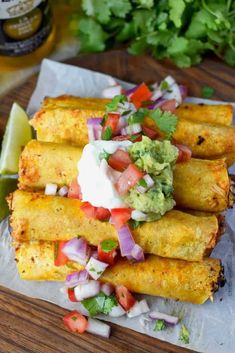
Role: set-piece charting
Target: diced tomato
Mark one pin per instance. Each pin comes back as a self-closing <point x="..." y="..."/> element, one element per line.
<point x="141" y="94"/>
<point x="71" y="295"/>
<point x="112" y="121"/>
<point x="75" y="190"/>
<point x="152" y="134"/>
<point x="124" y="297"/>
<point x="185" y="153"/>
<point x="88" y="209"/>
<point x="102" y="214"/>
<point x="119" y="160"/>
<point x="133" y="138"/>
<point x="75" y="322"/>
<point x="128" y="179"/>
<point x="169" y="106"/>
<point x="60" y="258"/>
<point x="107" y="257"/>
<point x="99" y="213"/>
<point x="120" y="216"/>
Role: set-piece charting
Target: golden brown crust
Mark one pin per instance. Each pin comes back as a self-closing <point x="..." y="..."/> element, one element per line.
<point x="194" y="282"/>
<point x="176" y="235"/>
<point x="198" y="184"/>
<point x="215" y="114"/>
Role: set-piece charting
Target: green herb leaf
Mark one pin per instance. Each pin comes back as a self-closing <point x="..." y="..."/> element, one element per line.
<point x="74" y="318"/>
<point x="134" y="224"/>
<point x="104" y="155"/>
<point x="95" y="304"/>
<point x="137" y="117"/>
<point x="159" y="325"/>
<point x="184" y="334"/>
<point x="134" y="138"/>
<point x="91" y="35"/>
<point x="207" y="92"/>
<point x="142" y="183"/>
<point x="108" y="245"/>
<point x="107" y="133"/>
<point x="100" y="304"/>
<point x="164" y="86"/>
<point x="165" y="121"/>
<point x="109" y="303"/>
<point x="113" y="105"/>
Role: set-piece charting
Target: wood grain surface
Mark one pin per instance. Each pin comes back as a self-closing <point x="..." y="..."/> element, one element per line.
<point x="34" y="326"/>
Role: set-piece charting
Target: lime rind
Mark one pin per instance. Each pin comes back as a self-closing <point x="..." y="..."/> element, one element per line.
<point x="18" y="133"/>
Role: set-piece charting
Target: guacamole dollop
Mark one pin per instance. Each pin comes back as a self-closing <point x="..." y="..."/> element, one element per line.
<point x="157" y="159"/>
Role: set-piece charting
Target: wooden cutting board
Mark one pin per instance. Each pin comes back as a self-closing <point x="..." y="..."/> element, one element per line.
<point x="34" y="326"/>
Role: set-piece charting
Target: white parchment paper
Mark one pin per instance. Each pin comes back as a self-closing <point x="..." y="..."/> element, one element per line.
<point x="211" y="325"/>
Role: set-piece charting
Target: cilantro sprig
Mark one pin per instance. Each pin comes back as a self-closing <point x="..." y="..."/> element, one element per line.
<point x="184" y="334"/>
<point x="182" y="30"/>
<point x="165" y="121"/>
<point x="100" y="304"/>
<point x="109" y="245"/>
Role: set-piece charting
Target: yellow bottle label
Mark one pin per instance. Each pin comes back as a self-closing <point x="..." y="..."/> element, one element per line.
<point x="24" y="25"/>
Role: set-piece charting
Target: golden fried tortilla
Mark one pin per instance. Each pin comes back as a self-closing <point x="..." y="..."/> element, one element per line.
<point x="176" y="235"/>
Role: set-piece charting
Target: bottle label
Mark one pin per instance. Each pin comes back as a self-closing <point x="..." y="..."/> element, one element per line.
<point x="24" y="25"/>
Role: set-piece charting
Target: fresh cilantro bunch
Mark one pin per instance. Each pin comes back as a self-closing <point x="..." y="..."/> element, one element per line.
<point x="181" y="30"/>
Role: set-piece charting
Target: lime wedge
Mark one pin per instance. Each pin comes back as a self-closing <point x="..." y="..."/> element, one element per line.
<point x="18" y="133"/>
<point x="7" y="185"/>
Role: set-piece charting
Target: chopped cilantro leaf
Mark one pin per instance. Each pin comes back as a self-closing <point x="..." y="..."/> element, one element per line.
<point x="95" y="304"/>
<point x="159" y="325"/>
<point x="164" y="86"/>
<point x="184" y="334"/>
<point x="134" y="138"/>
<point x="165" y="121"/>
<point x="134" y="224"/>
<point x="137" y="117"/>
<point x="104" y="119"/>
<point x="126" y="112"/>
<point x="207" y="92"/>
<point x="104" y="155"/>
<point x="108" y="245"/>
<point x="100" y="304"/>
<point x="107" y="133"/>
<point x="113" y="105"/>
<point x="74" y="318"/>
<point x="142" y="183"/>
<point x="109" y="303"/>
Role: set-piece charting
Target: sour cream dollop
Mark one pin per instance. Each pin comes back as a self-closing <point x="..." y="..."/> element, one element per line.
<point x="96" y="178"/>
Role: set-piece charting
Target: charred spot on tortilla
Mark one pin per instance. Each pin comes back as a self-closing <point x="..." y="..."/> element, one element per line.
<point x="200" y="140"/>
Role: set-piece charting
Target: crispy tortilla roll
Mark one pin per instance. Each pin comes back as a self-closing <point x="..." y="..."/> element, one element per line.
<point x="198" y="184"/>
<point x="194" y="282"/>
<point x="68" y="125"/>
<point x="207" y="141"/>
<point x="176" y="235"/>
<point x="215" y="114"/>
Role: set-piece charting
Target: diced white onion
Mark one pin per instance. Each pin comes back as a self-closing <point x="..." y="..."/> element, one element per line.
<point x="138" y="308"/>
<point x="131" y="129"/>
<point x="95" y="268"/>
<point x="51" y="189"/>
<point x="157" y="93"/>
<point x="138" y="215"/>
<point x="169" y="80"/>
<point x="112" y="91"/>
<point x="107" y="288"/>
<point x="149" y="183"/>
<point x="63" y="191"/>
<point x="117" y="311"/>
<point x="87" y="290"/>
<point x="98" y="327"/>
<point x="126" y="106"/>
<point x="174" y="94"/>
<point x="169" y="319"/>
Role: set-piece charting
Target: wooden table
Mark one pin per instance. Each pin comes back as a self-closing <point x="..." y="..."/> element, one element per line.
<point x="34" y="326"/>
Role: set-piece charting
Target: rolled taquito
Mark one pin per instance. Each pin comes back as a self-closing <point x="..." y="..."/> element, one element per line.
<point x="187" y="281"/>
<point x="218" y="113"/>
<point x="198" y="184"/>
<point x="215" y="114"/>
<point x="177" y="234"/>
<point x="68" y="125"/>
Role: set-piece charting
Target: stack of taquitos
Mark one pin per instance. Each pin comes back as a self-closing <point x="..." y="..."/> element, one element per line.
<point x="182" y="240"/>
